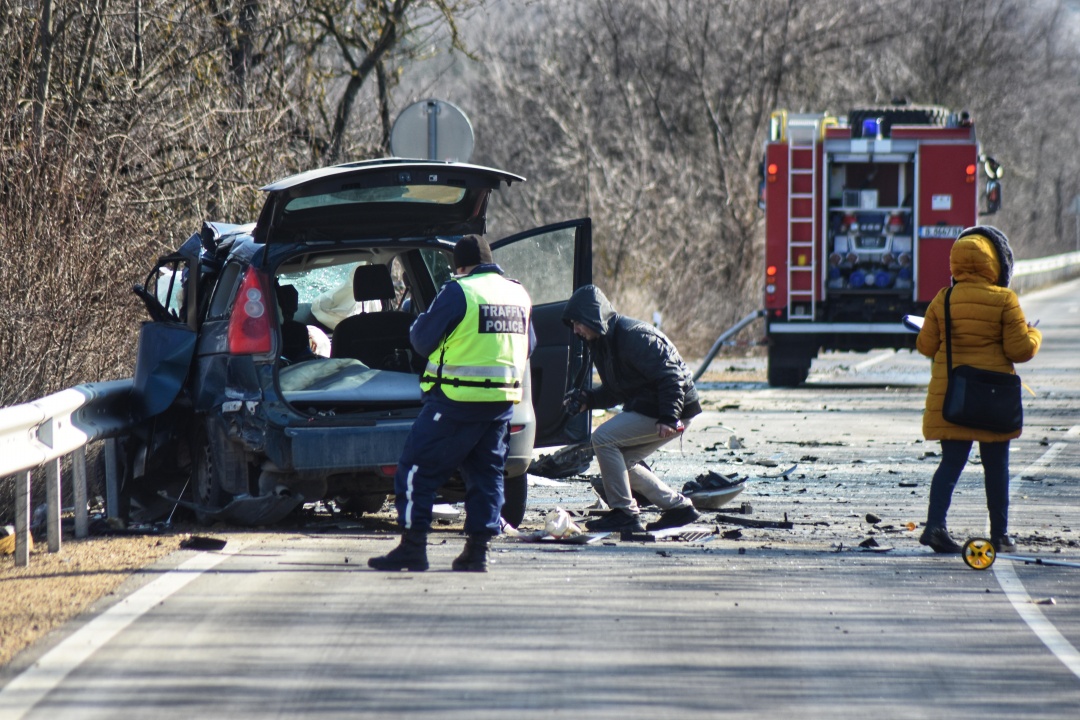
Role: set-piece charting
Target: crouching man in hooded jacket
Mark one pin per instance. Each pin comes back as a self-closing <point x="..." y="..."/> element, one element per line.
<point x="640" y="368"/>
<point x="477" y="336"/>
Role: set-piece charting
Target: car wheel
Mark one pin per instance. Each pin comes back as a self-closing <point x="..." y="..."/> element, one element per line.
<point x="216" y="464"/>
<point x="515" y="496"/>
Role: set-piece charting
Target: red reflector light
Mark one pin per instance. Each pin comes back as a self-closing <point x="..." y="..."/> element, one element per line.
<point x="971" y="173"/>
<point x="388" y="470"/>
<point x="770" y="271"/>
<point x="516" y="428"/>
<point x="772" y="170"/>
<point x="250" y="323"/>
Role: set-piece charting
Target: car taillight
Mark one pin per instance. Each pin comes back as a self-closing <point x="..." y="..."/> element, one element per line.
<point x="388" y="470"/>
<point x="516" y="428"/>
<point x="250" y="325"/>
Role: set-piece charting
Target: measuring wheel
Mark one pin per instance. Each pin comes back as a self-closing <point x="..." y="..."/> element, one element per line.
<point x="979" y="553"/>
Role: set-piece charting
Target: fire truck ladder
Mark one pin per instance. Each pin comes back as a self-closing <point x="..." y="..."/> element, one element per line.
<point x="802" y="254"/>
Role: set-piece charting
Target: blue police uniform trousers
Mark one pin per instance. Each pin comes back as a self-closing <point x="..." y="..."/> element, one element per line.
<point x="437" y="446"/>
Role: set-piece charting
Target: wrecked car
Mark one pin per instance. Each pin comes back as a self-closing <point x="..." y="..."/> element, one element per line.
<point x="276" y="368"/>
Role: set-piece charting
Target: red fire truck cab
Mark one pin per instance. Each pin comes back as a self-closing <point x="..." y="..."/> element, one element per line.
<point x="860" y="214"/>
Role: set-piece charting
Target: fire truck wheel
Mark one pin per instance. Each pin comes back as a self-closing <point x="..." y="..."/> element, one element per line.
<point x="784" y="375"/>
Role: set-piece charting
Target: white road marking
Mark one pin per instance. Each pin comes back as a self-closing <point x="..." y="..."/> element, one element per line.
<point x="1014" y="590"/>
<point x="1030" y="613"/>
<point x="870" y="362"/>
<point x="20" y="695"/>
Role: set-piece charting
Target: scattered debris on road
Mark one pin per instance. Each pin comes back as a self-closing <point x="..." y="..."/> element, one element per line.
<point x="784" y="524"/>
<point x="203" y="542"/>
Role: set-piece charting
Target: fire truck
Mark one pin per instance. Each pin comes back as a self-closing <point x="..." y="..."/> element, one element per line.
<point x="860" y="215"/>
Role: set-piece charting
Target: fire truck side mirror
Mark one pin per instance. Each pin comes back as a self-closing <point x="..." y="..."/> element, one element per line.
<point x="994" y="172"/>
<point x="991" y="167"/>
<point x="993" y="197"/>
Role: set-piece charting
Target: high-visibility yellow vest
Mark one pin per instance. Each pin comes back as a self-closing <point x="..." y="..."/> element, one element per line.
<point x="483" y="359"/>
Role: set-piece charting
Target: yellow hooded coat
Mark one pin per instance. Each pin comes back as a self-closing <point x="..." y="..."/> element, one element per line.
<point x="989" y="331"/>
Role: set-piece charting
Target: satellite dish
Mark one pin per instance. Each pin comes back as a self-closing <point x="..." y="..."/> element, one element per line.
<point x="432" y="130"/>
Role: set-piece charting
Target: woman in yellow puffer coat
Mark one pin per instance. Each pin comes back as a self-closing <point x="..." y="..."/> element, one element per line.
<point x="989" y="331"/>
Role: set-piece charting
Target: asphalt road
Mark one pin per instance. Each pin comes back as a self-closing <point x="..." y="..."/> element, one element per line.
<point x="775" y="622"/>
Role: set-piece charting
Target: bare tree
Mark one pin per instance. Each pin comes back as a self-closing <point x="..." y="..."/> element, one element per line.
<point x="147" y="117"/>
<point x="649" y="115"/>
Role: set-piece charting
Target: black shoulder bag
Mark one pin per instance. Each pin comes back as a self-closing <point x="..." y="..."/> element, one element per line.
<point x="981" y="399"/>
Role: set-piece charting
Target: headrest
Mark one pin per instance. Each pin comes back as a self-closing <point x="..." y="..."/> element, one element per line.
<point x="372" y="282"/>
<point x="288" y="299"/>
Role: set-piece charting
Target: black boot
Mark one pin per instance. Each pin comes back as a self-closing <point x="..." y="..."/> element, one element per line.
<point x="474" y="557"/>
<point x="939" y="539"/>
<point x="410" y="554"/>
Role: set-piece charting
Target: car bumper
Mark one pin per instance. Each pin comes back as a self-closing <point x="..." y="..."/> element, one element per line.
<point x="329" y="450"/>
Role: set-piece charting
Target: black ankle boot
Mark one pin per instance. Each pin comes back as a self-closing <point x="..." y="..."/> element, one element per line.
<point x="410" y="554"/>
<point x="474" y="557"/>
<point x="939" y="539"/>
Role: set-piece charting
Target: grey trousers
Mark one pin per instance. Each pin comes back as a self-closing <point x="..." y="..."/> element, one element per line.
<point x="620" y="445"/>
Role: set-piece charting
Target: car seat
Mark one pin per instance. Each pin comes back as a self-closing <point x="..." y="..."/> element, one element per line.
<point x="378" y="339"/>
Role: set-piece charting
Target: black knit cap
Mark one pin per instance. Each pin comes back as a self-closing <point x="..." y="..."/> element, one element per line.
<point x="472" y="250"/>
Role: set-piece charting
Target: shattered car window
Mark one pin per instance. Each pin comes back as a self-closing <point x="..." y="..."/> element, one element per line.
<point x="544" y="264"/>
<point x="319" y="281"/>
<point x="438" y="264"/>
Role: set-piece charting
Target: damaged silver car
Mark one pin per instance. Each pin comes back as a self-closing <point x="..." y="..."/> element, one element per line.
<point x="276" y="368"/>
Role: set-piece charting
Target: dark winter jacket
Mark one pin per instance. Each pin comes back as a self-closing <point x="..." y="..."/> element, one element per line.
<point x="988" y="331"/>
<point x="638" y="366"/>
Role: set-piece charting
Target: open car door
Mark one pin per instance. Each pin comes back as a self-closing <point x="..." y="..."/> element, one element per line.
<point x="551" y="262"/>
<point x="167" y="342"/>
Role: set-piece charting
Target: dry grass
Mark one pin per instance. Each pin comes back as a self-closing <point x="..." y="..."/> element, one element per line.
<point x="57" y="587"/>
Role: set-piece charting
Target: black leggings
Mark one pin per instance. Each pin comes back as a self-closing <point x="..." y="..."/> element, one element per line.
<point x="995" y="461"/>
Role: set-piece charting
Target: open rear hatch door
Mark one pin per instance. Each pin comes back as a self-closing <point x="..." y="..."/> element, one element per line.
<point x="388" y="198"/>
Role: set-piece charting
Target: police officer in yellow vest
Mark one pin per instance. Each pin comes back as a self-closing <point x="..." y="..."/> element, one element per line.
<point x="477" y="336"/>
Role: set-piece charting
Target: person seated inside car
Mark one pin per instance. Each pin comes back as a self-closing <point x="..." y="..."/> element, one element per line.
<point x="296" y="343"/>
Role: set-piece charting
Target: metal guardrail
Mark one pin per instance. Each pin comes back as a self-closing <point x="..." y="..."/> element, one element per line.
<point x="42" y="432"/>
<point x="1030" y="275"/>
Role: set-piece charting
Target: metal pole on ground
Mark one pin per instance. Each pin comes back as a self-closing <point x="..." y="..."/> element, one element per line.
<point x="112" y="490"/>
<point x="22" y="519"/>
<point x="53" y="503"/>
<point x="78" y="473"/>
<point x="723" y="337"/>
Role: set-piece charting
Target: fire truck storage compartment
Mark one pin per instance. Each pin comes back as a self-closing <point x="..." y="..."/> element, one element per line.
<point x="870" y="247"/>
